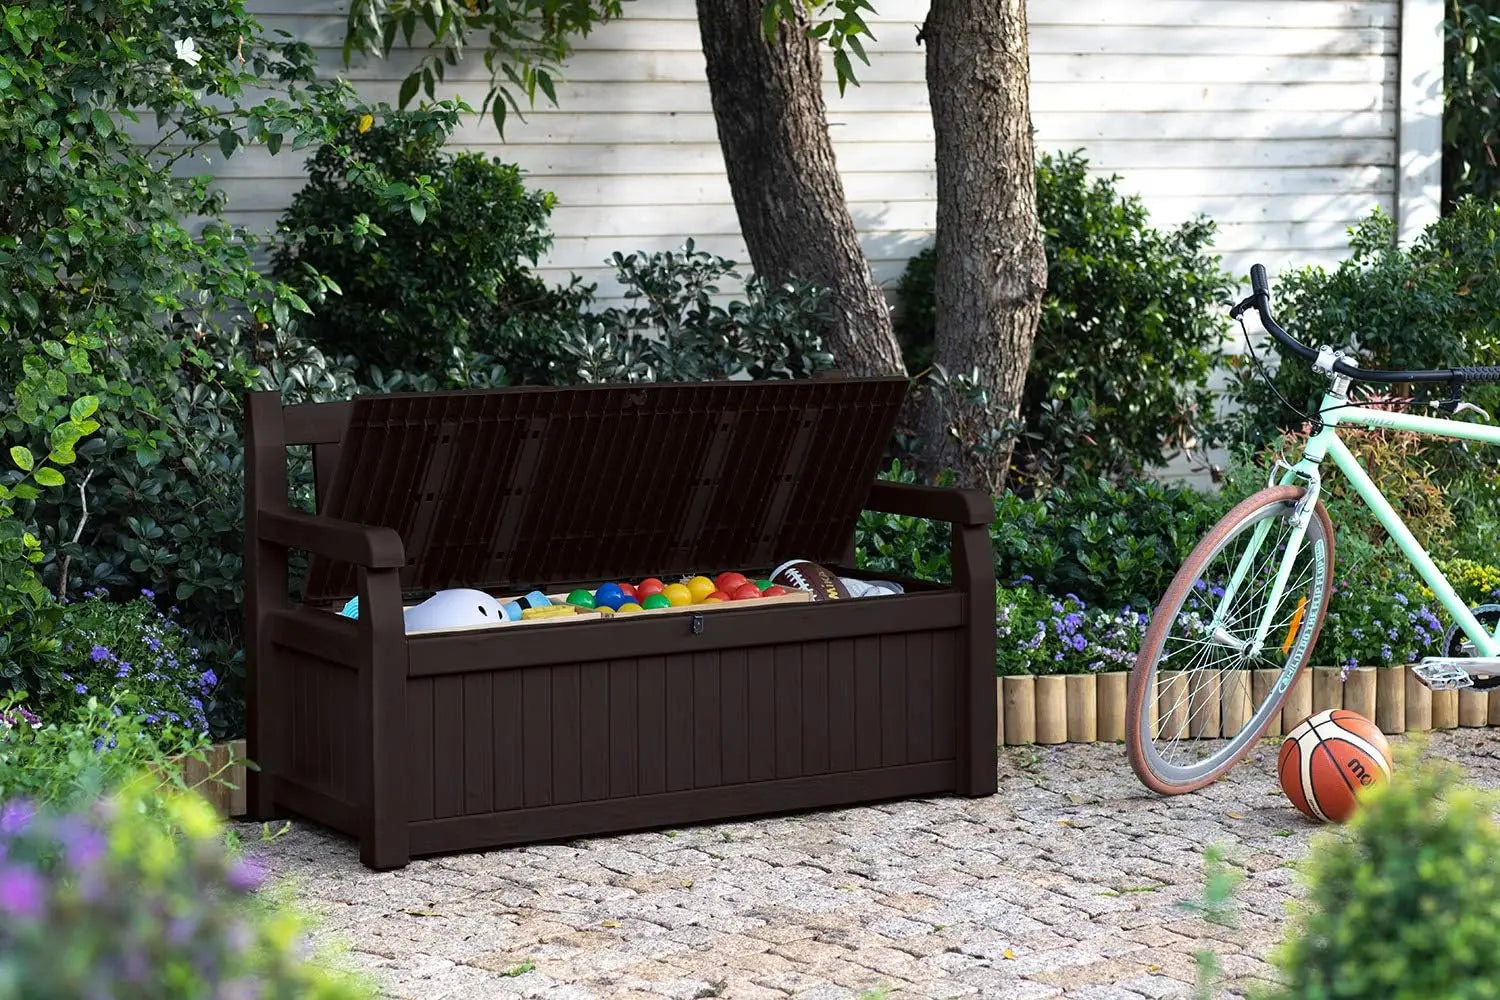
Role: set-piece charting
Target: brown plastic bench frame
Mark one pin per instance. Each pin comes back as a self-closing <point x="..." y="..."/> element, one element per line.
<point x="346" y="717"/>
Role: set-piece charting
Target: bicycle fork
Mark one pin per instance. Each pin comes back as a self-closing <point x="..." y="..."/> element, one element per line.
<point x="1249" y="649"/>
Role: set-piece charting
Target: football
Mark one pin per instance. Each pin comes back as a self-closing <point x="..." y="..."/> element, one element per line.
<point x="809" y="576"/>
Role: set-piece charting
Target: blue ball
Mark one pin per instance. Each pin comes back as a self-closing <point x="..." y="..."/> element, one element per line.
<point x="512" y="610"/>
<point x="610" y="595"/>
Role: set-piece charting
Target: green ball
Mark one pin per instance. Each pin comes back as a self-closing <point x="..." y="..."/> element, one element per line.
<point x="654" y="601"/>
<point x="581" y="599"/>
<point x="762" y="584"/>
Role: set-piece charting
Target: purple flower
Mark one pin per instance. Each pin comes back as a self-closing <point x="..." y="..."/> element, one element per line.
<point x="148" y="594"/>
<point x="210" y="678"/>
<point x="82" y="843"/>
<point x="246" y="876"/>
<point x="16" y="816"/>
<point x="99" y="654"/>
<point x="123" y="671"/>
<point x="81" y="688"/>
<point x="21" y="891"/>
<point x="1079" y="642"/>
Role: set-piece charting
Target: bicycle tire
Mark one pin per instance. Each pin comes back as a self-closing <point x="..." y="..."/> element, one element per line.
<point x="1150" y="768"/>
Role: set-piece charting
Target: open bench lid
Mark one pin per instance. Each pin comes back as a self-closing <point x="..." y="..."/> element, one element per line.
<point x="518" y="487"/>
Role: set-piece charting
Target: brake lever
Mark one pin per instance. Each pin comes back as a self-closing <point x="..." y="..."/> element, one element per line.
<point x="1457" y="406"/>
<point x="1239" y="310"/>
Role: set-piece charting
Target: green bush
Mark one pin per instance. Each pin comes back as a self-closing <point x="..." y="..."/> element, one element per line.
<point x="73" y="756"/>
<point x="137" y="895"/>
<point x="1130" y="330"/>
<point x="1433" y="304"/>
<point x="419" y="290"/>
<point x="1112" y="545"/>
<point x="675" y="331"/>
<point x="1471" y="101"/>
<point x="1404" y="904"/>
<point x="1040" y="633"/>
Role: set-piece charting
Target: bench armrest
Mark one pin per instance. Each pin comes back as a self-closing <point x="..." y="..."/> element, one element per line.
<point x="965" y="508"/>
<point x="365" y="545"/>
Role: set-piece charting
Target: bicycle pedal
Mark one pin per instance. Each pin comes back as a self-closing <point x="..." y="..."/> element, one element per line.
<point x="1443" y="674"/>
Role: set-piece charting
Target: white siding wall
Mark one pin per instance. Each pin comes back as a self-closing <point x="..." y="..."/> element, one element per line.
<point x="1279" y="118"/>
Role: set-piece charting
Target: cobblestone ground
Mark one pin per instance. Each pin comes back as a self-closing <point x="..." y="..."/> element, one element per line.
<point x="1068" y="883"/>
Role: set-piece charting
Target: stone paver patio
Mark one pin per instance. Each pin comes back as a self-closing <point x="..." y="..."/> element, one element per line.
<point x="1068" y="883"/>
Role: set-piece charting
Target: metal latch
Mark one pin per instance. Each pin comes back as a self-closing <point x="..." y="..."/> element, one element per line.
<point x="696" y="624"/>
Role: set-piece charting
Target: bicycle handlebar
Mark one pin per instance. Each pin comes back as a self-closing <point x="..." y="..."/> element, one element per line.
<point x="1260" y="300"/>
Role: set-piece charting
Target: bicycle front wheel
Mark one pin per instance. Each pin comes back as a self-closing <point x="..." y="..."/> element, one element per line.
<point x="1190" y="715"/>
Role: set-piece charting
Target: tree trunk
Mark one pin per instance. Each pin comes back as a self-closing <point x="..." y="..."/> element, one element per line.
<point x="991" y="267"/>
<point x="768" y="104"/>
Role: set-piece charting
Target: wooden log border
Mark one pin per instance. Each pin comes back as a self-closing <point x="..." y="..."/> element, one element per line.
<point x="1090" y="708"/>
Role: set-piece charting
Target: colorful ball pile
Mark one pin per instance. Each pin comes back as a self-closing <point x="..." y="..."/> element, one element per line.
<point x="652" y="594"/>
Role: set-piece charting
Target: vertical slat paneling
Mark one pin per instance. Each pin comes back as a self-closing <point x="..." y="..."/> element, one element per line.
<point x="509" y="766"/>
<point x="479" y="750"/>
<point x="624" y="728"/>
<point x="679" y="722"/>
<point x="567" y="771"/>
<point x="536" y="738"/>
<point x="448" y="747"/>
<point x="892" y="700"/>
<point x="815" y="721"/>
<point x="708" y="747"/>
<point x="944" y="695"/>
<point x="594" y="738"/>
<point x="866" y="703"/>
<point x="760" y="665"/>
<point x="322" y="735"/>
<point x="734" y="719"/>
<point x="653" y="723"/>
<point x="841" y="707"/>
<point x="919" y="697"/>
<point x="788" y="682"/>
<point x="419" y="748"/>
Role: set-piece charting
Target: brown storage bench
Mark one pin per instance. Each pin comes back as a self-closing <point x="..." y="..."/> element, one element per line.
<point x="427" y="743"/>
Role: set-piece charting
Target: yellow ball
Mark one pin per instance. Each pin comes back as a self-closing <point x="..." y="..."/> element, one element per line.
<point x="628" y="606"/>
<point x="700" y="587"/>
<point x="677" y="594"/>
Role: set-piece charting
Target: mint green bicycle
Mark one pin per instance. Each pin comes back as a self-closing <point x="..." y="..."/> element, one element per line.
<point x="1250" y="599"/>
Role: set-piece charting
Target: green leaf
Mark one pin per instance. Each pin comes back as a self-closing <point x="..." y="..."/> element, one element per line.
<point x="48" y="476"/>
<point x="23" y="458"/>
<point x="408" y="90"/>
<point x="418" y="211"/>
<point x="84" y="407"/>
<point x="103" y="124"/>
<point x="229" y="141"/>
<point x="544" y="81"/>
<point x="29" y="305"/>
<point x="55" y="349"/>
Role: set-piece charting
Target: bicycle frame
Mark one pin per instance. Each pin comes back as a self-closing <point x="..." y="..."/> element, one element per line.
<point x="1333" y="411"/>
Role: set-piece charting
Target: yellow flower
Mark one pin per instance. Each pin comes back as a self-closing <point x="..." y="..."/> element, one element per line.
<point x="365" y="121"/>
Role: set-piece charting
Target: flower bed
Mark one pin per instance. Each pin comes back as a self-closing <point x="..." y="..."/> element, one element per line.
<point x="1062" y="667"/>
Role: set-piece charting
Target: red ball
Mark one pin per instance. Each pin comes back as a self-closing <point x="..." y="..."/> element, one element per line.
<point x="774" y="590"/>
<point x="744" y="592"/>
<point x="628" y="589"/>
<point x="727" y="582"/>
<point x="647" y="587"/>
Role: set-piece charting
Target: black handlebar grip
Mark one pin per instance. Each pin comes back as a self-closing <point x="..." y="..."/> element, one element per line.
<point x="1258" y="283"/>
<point x="1484" y="373"/>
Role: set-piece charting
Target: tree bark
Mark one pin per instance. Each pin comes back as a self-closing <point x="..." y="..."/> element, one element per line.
<point x="991" y="266"/>
<point x="768" y="105"/>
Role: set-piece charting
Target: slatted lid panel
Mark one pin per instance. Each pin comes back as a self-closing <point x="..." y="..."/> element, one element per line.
<point x="525" y="486"/>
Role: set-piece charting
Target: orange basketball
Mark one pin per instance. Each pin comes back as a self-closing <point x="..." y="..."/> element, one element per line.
<point x="1327" y="759"/>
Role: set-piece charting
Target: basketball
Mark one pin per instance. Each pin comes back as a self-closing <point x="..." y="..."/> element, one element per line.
<point x="1327" y="759"/>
